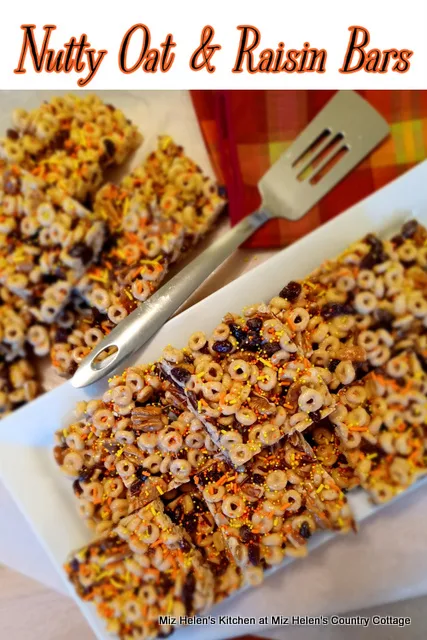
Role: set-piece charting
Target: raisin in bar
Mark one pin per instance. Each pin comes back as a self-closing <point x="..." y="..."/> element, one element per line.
<point x="69" y="142"/>
<point x="143" y="570"/>
<point x="248" y="383"/>
<point x="46" y="245"/>
<point x="186" y="508"/>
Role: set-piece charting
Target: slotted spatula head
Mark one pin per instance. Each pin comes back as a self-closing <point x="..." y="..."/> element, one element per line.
<point x="335" y="142"/>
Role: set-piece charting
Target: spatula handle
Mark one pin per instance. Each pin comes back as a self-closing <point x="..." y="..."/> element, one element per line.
<point x="140" y="325"/>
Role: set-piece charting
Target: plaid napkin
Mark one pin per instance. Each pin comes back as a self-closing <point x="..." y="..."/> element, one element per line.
<point x="245" y="131"/>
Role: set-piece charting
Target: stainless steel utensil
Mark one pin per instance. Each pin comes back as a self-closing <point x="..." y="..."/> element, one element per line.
<point x="335" y="142"/>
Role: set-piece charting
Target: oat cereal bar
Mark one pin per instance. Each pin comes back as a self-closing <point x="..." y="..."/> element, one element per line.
<point x="387" y="408"/>
<point x="144" y="241"/>
<point x="391" y="475"/>
<point x="271" y="508"/>
<point x="135" y="444"/>
<point x="248" y="383"/>
<point x="148" y="236"/>
<point x="46" y="245"/>
<point x="328" y="342"/>
<point x="376" y="437"/>
<point x="381" y="283"/>
<point x="69" y="141"/>
<point x="176" y="187"/>
<point x="186" y="508"/>
<point x="143" y="570"/>
<point x="354" y="312"/>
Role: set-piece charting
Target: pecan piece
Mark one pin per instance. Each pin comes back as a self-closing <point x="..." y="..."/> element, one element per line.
<point x="262" y="405"/>
<point x="175" y="398"/>
<point x="147" y="418"/>
<point x="133" y="454"/>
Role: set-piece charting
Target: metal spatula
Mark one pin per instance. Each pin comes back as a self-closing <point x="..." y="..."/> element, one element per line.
<point x="335" y="142"/>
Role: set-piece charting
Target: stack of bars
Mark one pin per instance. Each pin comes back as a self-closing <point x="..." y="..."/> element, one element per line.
<point x="200" y="472"/>
<point x="78" y="254"/>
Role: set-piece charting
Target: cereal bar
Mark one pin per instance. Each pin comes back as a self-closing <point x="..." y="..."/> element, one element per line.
<point x="167" y="186"/>
<point x="386" y="408"/>
<point x="332" y="454"/>
<point x="136" y="444"/>
<point x="377" y="436"/>
<point x="143" y="570"/>
<point x="173" y="184"/>
<point x="132" y="269"/>
<point x="354" y="312"/>
<point x="46" y="245"/>
<point x="248" y="383"/>
<point x="69" y="141"/>
<point x="271" y="508"/>
<point x="148" y="233"/>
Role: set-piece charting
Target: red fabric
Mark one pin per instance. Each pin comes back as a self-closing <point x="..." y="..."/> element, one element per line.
<point x="245" y="131"/>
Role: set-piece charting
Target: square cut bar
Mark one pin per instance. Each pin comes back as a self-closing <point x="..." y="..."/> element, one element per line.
<point x="270" y="509"/>
<point x="373" y="298"/>
<point x="174" y="186"/>
<point x="148" y="233"/>
<point x="45" y="245"/>
<point x="135" y="444"/>
<point x="377" y="435"/>
<point x="69" y="142"/>
<point x="130" y="271"/>
<point x="249" y="383"/>
<point x="160" y="209"/>
<point x="387" y="408"/>
<point x="332" y="454"/>
<point x="383" y="476"/>
<point x="143" y="570"/>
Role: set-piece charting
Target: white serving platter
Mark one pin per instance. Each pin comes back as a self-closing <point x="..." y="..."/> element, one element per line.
<point x="45" y="496"/>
